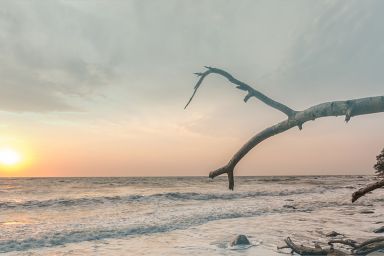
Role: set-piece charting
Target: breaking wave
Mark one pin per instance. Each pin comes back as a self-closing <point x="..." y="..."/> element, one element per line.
<point x="174" y="196"/>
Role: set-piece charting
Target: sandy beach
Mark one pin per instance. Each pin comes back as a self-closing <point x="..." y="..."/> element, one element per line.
<point x="180" y="216"/>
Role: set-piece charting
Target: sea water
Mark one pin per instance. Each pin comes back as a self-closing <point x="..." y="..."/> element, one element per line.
<point x="180" y="215"/>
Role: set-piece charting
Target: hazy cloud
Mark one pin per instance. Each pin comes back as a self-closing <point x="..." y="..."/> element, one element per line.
<point x="46" y="56"/>
<point x="137" y="53"/>
<point x="340" y="53"/>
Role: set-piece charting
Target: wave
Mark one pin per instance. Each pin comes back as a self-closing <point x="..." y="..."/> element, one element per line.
<point x="172" y="196"/>
<point x="54" y="238"/>
<point x="155" y="225"/>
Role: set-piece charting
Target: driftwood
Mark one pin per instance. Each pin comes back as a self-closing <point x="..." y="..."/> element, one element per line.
<point x="349" y="242"/>
<point x="364" y="248"/>
<point x="370" y="187"/>
<point x="347" y="108"/>
<point x="369" y="246"/>
<point x="317" y="250"/>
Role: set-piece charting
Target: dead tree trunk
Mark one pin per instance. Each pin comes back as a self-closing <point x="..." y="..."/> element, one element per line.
<point x="347" y="108"/>
<point x="370" y="187"/>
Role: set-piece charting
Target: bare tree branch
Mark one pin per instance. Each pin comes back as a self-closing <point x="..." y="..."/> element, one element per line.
<point x="369" y="246"/>
<point x="242" y="86"/>
<point x="370" y="187"/>
<point x="317" y="250"/>
<point x="348" y="108"/>
<point x="370" y="241"/>
<point x="349" y="242"/>
<point x="364" y="248"/>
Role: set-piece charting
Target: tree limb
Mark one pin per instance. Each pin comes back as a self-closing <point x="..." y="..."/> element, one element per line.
<point x="364" y="248"/>
<point x="349" y="242"/>
<point x="305" y="250"/>
<point x="369" y="246"/>
<point x="242" y="86"/>
<point x="370" y="241"/>
<point x="348" y="108"/>
<point x="370" y="187"/>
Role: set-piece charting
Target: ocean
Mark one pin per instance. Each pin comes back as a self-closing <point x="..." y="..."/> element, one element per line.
<point x="180" y="215"/>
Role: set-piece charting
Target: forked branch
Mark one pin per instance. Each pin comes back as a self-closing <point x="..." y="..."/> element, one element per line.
<point x="348" y="108"/>
<point x="242" y="86"/>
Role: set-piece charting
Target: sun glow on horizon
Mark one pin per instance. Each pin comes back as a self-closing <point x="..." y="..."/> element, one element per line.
<point x="9" y="157"/>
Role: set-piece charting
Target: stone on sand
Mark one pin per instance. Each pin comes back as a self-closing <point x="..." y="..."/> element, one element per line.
<point x="240" y="240"/>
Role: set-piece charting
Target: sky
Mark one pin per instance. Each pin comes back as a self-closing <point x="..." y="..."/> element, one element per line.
<point x="98" y="88"/>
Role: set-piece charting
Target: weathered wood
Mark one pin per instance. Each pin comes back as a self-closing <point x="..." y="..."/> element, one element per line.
<point x="370" y="187"/>
<point x="317" y="250"/>
<point x="347" y="108"/>
<point x="364" y="248"/>
<point x="349" y="242"/>
<point x="242" y="86"/>
<point x="369" y="246"/>
<point x="370" y="241"/>
<point x="304" y="250"/>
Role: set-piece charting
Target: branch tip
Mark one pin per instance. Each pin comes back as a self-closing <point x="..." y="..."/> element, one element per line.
<point x="242" y="87"/>
<point x="300" y="126"/>
<point x="231" y="180"/>
<point x="347" y="117"/>
<point x="249" y="95"/>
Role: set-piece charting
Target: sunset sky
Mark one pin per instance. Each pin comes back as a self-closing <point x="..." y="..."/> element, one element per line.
<point x="98" y="88"/>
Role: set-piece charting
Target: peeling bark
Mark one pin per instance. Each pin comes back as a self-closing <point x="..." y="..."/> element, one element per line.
<point x="348" y="108"/>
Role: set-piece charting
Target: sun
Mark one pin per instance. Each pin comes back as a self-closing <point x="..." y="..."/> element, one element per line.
<point x="9" y="157"/>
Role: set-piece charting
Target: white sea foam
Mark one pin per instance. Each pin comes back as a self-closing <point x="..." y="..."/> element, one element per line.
<point x="40" y="216"/>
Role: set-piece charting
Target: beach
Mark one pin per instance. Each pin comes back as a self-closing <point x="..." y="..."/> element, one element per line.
<point x="180" y="215"/>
